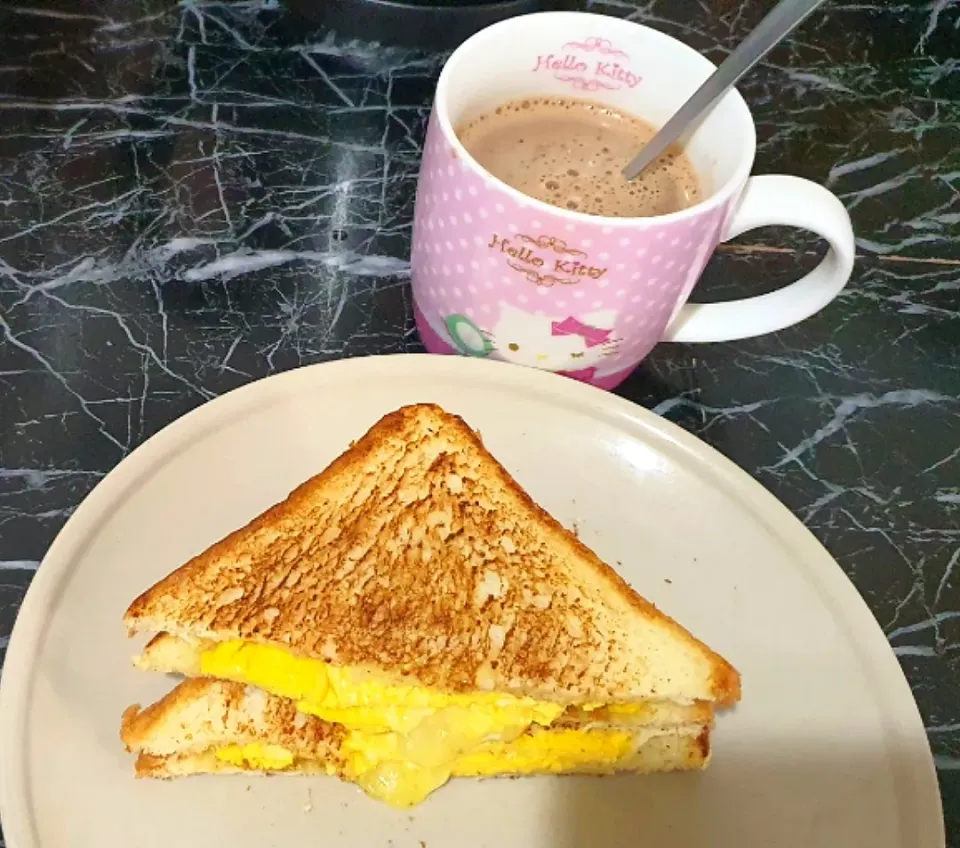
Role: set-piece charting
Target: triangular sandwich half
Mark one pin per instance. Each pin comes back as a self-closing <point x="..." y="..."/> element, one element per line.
<point x="413" y="590"/>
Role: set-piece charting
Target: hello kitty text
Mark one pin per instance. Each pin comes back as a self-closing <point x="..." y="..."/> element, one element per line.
<point x="605" y="74"/>
<point x="528" y="261"/>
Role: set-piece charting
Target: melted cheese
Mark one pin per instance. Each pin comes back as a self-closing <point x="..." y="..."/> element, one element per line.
<point x="405" y="741"/>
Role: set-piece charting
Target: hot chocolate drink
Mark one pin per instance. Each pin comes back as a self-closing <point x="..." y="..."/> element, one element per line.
<point x="570" y="152"/>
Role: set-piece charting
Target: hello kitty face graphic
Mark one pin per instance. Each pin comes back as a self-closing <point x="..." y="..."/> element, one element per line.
<point x="562" y="343"/>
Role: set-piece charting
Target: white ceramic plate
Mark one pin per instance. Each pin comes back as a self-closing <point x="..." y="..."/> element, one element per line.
<point x="826" y="748"/>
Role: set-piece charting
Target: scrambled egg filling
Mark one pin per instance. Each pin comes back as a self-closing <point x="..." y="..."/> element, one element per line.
<point x="405" y="741"/>
<point x="257" y="756"/>
<point x="403" y="784"/>
<point x="556" y="751"/>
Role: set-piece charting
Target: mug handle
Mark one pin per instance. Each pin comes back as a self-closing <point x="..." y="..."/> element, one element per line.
<point x="786" y="201"/>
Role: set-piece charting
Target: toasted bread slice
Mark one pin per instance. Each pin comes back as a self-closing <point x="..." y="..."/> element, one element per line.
<point x="182" y="733"/>
<point x="203" y="713"/>
<point x="415" y="554"/>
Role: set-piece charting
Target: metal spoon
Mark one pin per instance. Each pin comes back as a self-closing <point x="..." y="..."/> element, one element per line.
<point x="776" y="26"/>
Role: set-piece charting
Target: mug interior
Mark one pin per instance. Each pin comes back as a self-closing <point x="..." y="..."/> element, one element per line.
<point x="621" y="64"/>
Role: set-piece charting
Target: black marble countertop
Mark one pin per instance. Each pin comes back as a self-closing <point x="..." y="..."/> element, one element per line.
<point x="196" y="195"/>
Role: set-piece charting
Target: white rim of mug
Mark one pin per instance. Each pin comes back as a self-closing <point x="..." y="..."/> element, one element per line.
<point x="717" y="198"/>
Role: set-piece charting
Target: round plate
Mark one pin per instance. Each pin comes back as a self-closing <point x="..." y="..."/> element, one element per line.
<point x="826" y="748"/>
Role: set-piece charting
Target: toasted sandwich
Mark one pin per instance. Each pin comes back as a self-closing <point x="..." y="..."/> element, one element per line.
<point x="408" y="615"/>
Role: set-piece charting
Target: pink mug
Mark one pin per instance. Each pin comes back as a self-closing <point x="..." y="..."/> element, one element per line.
<point x="496" y="273"/>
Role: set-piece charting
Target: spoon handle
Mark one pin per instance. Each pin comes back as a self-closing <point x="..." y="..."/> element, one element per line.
<point x="780" y="21"/>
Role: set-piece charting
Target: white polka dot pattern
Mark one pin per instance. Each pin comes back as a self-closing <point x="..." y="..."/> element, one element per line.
<point x="477" y="250"/>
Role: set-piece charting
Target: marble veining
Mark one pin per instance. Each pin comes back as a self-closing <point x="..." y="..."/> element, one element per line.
<point x="196" y="195"/>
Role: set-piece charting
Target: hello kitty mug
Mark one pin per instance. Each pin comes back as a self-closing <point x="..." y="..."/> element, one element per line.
<point x="496" y="273"/>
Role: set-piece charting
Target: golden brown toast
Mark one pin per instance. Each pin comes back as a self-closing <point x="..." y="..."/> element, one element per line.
<point x="415" y="554"/>
<point x="180" y="734"/>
